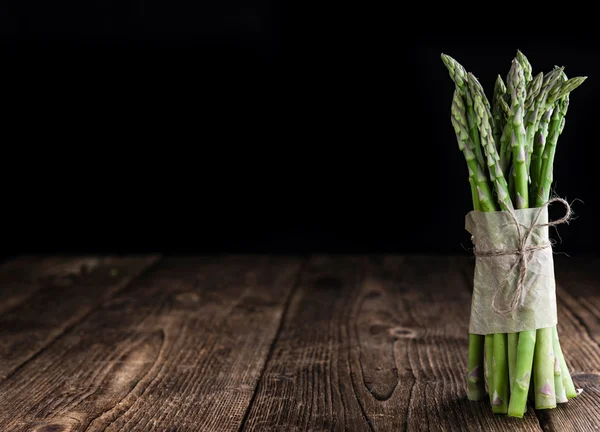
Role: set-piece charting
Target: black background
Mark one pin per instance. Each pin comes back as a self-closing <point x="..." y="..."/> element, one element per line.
<point x="204" y="127"/>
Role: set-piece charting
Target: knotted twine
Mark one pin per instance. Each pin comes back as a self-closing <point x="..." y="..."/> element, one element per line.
<point x="492" y="277"/>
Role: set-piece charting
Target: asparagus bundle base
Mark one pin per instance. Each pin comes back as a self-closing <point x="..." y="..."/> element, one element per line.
<point x="509" y="145"/>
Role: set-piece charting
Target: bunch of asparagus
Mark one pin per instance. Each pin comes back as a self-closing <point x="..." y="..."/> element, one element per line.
<point x="509" y="146"/>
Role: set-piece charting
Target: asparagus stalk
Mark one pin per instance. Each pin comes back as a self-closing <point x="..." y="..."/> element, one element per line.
<point x="475" y="378"/>
<point x="555" y="129"/>
<point x="502" y="107"/>
<point x="542" y="350"/>
<point x="499" y="112"/>
<point x="526" y="340"/>
<point x="476" y="171"/>
<point x="533" y="90"/>
<point x="559" y="386"/>
<point x="516" y="87"/>
<point x="538" y="150"/>
<point x="501" y="385"/>
<point x="474" y="196"/>
<point x="475" y="87"/>
<point x="511" y="182"/>
<point x="505" y="149"/>
<point x="560" y="96"/>
<point x="459" y="76"/>
<point x="513" y="345"/>
<point x="538" y="106"/>
<point x="520" y="386"/>
<point x="499" y="375"/>
<point x="489" y="365"/>
<point x="525" y="66"/>
<point x="566" y="376"/>
<point x="497" y="343"/>
<point x="556" y="87"/>
<point x="552" y="381"/>
<point x="489" y="146"/>
<point x="559" y="91"/>
<point x="543" y="370"/>
<point x="475" y="366"/>
<point x="560" y="389"/>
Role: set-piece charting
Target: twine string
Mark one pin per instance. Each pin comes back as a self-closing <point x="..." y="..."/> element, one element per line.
<point x="524" y="253"/>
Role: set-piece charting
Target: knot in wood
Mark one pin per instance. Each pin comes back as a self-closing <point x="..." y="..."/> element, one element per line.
<point x="51" y="427"/>
<point x="403" y="333"/>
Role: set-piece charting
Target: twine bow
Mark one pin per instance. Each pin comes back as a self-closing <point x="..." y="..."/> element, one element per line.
<point x="524" y="252"/>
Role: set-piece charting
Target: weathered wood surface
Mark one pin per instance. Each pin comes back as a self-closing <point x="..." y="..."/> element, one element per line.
<point x="20" y="278"/>
<point x="375" y="345"/>
<point x="55" y="294"/>
<point x="179" y="349"/>
<point x="268" y="344"/>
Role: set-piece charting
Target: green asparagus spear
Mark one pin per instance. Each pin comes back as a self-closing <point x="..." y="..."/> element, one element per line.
<point x="513" y="344"/>
<point x="475" y="87"/>
<point x="533" y="90"/>
<point x="500" y="380"/>
<point x="526" y="340"/>
<point x="538" y="106"/>
<point x="476" y="171"/>
<point x="489" y="147"/>
<point x="516" y="88"/>
<point x="505" y="346"/>
<point x="475" y="378"/>
<point x="505" y="149"/>
<point x="520" y="387"/>
<point x="538" y="150"/>
<point x="459" y="76"/>
<point x="489" y="365"/>
<point x="525" y="66"/>
<point x="543" y="370"/>
<point x="559" y="91"/>
<point x="499" y="112"/>
<point x="554" y="130"/>
<point x="566" y="376"/>
<point x="552" y="383"/>
<point x="559" y="386"/>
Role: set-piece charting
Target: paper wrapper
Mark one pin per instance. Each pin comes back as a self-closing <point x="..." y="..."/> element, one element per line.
<point x="496" y="231"/>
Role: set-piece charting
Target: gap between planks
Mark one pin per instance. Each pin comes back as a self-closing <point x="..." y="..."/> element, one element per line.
<point x="286" y="308"/>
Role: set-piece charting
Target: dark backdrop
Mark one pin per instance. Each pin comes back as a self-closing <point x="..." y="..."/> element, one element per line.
<point x="182" y="127"/>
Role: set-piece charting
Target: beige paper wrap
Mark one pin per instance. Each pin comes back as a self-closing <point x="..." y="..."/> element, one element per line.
<point x="496" y="232"/>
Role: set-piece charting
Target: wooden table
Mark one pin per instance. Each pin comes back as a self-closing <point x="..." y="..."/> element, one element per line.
<point x="321" y="343"/>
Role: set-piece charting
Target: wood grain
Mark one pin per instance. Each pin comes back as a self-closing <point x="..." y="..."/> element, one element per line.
<point x="47" y="297"/>
<point x="22" y="277"/>
<point x="180" y="349"/>
<point x="258" y="343"/>
<point x="375" y="344"/>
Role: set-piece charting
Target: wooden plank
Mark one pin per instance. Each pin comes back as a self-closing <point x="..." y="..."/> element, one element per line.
<point x="181" y="349"/>
<point x="578" y="294"/>
<point x="46" y="297"/>
<point x="578" y="281"/>
<point x="376" y="345"/>
<point x="20" y="278"/>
